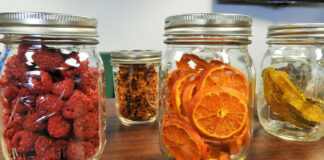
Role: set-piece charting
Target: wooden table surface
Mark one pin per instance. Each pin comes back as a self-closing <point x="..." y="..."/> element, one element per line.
<point x="141" y="142"/>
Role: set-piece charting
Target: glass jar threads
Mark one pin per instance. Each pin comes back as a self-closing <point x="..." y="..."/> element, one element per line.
<point x="136" y="81"/>
<point x="52" y="87"/>
<point x="290" y="105"/>
<point x="207" y="87"/>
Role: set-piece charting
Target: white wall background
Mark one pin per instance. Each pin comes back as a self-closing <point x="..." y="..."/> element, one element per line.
<point x="138" y="24"/>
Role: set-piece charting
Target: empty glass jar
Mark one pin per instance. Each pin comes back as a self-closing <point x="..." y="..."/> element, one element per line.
<point x="290" y="95"/>
<point x="52" y="90"/>
<point x="207" y="87"/>
<point x="136" y="82"/>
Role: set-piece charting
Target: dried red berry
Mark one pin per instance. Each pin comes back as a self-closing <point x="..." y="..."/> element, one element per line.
<point x="4" y="82"/>
<point x="77" y="105"/>
<point x="23" y="141"/>
<point x="14" y="125"/>
<point x="22" y="49"/>
<point x="34" y="122"/>
<point x="11" y="93"/>
<point x="23" y="102"/>
<point x="89" y="85"/>
<point x="15" y="70"/>
<point x="63" y="89"/>
<point x="58" y="127"/>
<point x="86" y="127"/>
<point x="6" y="114"/>
<point x="47" y="60"/>
<point x="73" y="68"/>
<point x="40" y="82"/>
<point x="48" y="105"/>
<point x="5" y="104"/>
<point x="42" y="144"/>
<point x="54" y="152"/>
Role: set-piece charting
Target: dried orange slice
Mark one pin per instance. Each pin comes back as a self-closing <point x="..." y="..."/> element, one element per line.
<point x="196" y="62"/>
<point x="182" y="140"/>
<point x="224" y="156"/>
<point x="216" y="63"/>
<point x="177" y="92"/>
<point x="225" y="75"/>
<point x="169" y="82"/>
<point x="234" y="144"/>
<point x="214" y="152"/>
<point x="218" y="112"/>
<point x="188" y="93"/>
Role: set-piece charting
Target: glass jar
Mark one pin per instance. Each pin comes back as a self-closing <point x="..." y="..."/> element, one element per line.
<point x="52" y="90"/>
<point x="136" y="82"/>
<point x="207" y="87"/>
<point x="290" y="95"/>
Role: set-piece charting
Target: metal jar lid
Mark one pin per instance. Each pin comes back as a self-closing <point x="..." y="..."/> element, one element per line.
<point x="221" y="24"/>
<point x="298" y="30"/>
<point x="42" y="23"/>
<point x="135" y="56"/>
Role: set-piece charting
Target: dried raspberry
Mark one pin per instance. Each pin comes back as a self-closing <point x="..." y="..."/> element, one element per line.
<point x="47" y="60"/>
<point x="71" y="69"/>
<point x="14" y="125"/>
<point x="80" y="150"/>
<point x="42" y="144"/>
<point x="63" y="89"/>
<point x="40" y="82"/>
<point x="22" y="49"/>
<point x="5" y="104"/>
<point x="34" y="122"/>
<point x="54" y="152"/>
<point x="77" y="105"/>
<point x="11" y="93"/>
<point x="15" y="70"/>
<point x="8" y="144"/>
<point x="23" y="102"/>
<point x="58" y="127"/>
<point x="23" y="141"/>
<point x="6" y="115"/>
<point x="19" y="105"/>
<point x="48" y="105"/>
<point x="4" y="82"/>
<point x="86" y="127"/>
<point x="88" y="80"/>
<point x="89" y="85"/>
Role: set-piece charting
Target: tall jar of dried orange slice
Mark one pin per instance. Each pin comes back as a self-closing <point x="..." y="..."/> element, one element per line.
<point x="291" y="92"/>
<point x="207" y="87"/>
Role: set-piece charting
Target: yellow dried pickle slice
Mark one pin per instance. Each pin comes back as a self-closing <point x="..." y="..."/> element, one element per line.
<point x="281" y="95"/>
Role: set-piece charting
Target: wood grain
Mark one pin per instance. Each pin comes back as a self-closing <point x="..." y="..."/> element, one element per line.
<point x="141" y="142"/>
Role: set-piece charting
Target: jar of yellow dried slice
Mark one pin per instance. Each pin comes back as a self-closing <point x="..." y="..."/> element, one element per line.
<point x="290" y="101"/>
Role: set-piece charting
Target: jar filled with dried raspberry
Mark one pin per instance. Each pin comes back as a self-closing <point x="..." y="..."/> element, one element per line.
<point x="52" y="87"/>
<point x="136" y="79"/>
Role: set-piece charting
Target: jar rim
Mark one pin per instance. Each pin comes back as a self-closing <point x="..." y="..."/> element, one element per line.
<point x="296" y="30"/>
<point x="135" y="56"/>
<point x="46" y="23"/>
<point x="221" y="24"/>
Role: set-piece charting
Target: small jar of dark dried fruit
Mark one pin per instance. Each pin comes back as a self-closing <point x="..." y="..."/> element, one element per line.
<point x="52" y="87"/>
<point x="136" y="79"/>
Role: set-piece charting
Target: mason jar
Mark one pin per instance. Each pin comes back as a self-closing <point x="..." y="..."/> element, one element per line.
<point x="290" y="95"/>
<point x="52" y="90"/>
<point x="136" y="82"/>
<point x="207" y="87"/>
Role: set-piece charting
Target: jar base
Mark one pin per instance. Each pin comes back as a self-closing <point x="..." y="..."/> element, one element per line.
<point x="125" y="121"/>
<point x="279" y="129"/>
